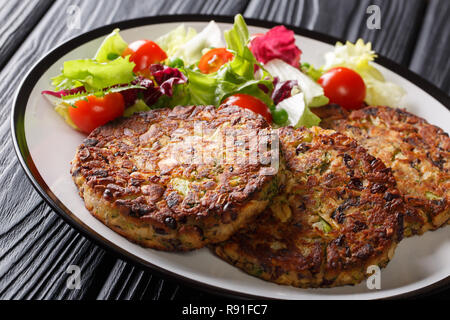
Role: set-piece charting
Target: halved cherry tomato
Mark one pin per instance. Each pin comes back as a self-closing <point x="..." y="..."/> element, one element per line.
<point x="95" y="112"/>
<point x="249" y="102"/>
<point x="144" y="53"/>
<point x="345" y="87"/>
<point x="214" y="59"/>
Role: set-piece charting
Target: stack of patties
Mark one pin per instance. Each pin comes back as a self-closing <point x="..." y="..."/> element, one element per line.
<point x="181" y="179"/>
<point x="417" y="152"/>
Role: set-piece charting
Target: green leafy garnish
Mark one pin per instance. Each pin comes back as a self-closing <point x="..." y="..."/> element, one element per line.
<point x="72" y="98"/>
<point x="312" y="72"/>
<point x="236" y="76"/>
<point x="175" y="39"/>
<point x="94" y="75"/>
<point x="112" y="47"/>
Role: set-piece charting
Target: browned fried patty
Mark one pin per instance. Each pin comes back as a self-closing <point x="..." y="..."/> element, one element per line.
<point x="340" y="213"/>
<point x="171" y="179"/>
<point x="417" y="152"/>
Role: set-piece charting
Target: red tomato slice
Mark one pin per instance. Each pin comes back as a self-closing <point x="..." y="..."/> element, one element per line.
<point x="249" y="102"/>
<point x="214" y="59"/>
<point x="345" y="87"/>
<point x="144" y="53"/>
<point x="95" y="112"/>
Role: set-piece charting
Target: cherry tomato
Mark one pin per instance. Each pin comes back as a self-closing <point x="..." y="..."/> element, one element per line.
<point x="249" y="102"/>
<point x="144" y="53"/>
<point x="345" y="87"/>
<point x="214" y="59"/>
<point x="95" y="112"/>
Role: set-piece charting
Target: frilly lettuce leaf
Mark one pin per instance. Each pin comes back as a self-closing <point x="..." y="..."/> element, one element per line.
<point x="94" y="75"/>
<point x="107" y="69"/>
<point x="112" y="47"/>
<point x="191" y="51"/>
<point x="176" y="38"/>
<point x="358" y="57"/>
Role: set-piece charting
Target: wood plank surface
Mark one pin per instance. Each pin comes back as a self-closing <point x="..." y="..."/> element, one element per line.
<point x="17" y="19"/>
<point x="431" y="58"/>
<point x="400" y="21"/>
<point x="36" y="245"/>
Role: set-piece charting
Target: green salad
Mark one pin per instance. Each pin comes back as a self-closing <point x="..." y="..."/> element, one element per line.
<point x="261" y="72"/>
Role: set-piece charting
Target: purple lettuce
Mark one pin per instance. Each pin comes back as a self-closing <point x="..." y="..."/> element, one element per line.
<point x="62" y="93"/>
<point x="165" y="78"/>
<point x="282" y="89"/>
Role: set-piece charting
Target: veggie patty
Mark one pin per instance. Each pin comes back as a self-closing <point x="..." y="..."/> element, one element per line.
<point x="170" y="179"/>
<point x="417" y="152"/>
<point x="340" y="213"/>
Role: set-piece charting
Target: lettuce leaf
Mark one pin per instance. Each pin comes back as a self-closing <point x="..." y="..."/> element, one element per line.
<point x="172" y="41"/>
<point x="112" y="47"/>
<point x="107" y="69"/>
<point x="94" y="75"/>
<point x="298" y="113"/>
<point x="191" y="51"/>
<point x="69" y="97"/>
<point x="358" y="57"/>
<point x="311" y="72"/>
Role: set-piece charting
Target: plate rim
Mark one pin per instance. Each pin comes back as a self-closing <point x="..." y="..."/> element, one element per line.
<point x="21" y="148"/>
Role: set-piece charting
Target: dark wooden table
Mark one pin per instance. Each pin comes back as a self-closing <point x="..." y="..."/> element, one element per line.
<point x="37" y="246"/>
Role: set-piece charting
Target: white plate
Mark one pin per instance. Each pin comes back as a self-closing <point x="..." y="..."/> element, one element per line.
<point x="45" y="146"/>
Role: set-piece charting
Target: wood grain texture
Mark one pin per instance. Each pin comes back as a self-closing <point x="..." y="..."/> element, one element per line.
<point x="431" y="58"/>
<point x="400" y="20"/>
<point x="36" y="245"/>
<point x="18" y="18"/>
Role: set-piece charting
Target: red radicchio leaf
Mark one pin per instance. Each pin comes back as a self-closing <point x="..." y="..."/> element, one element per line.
<point x="167" y="78"/>
<point x="277" y="43"/>
<point x="62" y="93"/>
<point x="282" y="90"/>
<point x="150" y="94"/>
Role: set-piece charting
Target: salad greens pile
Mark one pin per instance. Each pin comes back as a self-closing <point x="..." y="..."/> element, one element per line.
<point x="288" y="88"/>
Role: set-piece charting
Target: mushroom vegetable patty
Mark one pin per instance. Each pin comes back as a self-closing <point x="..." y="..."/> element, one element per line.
<point x="177" y="179"/>
<point x="417" y="152"/>
<point x="340" y="213"/>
